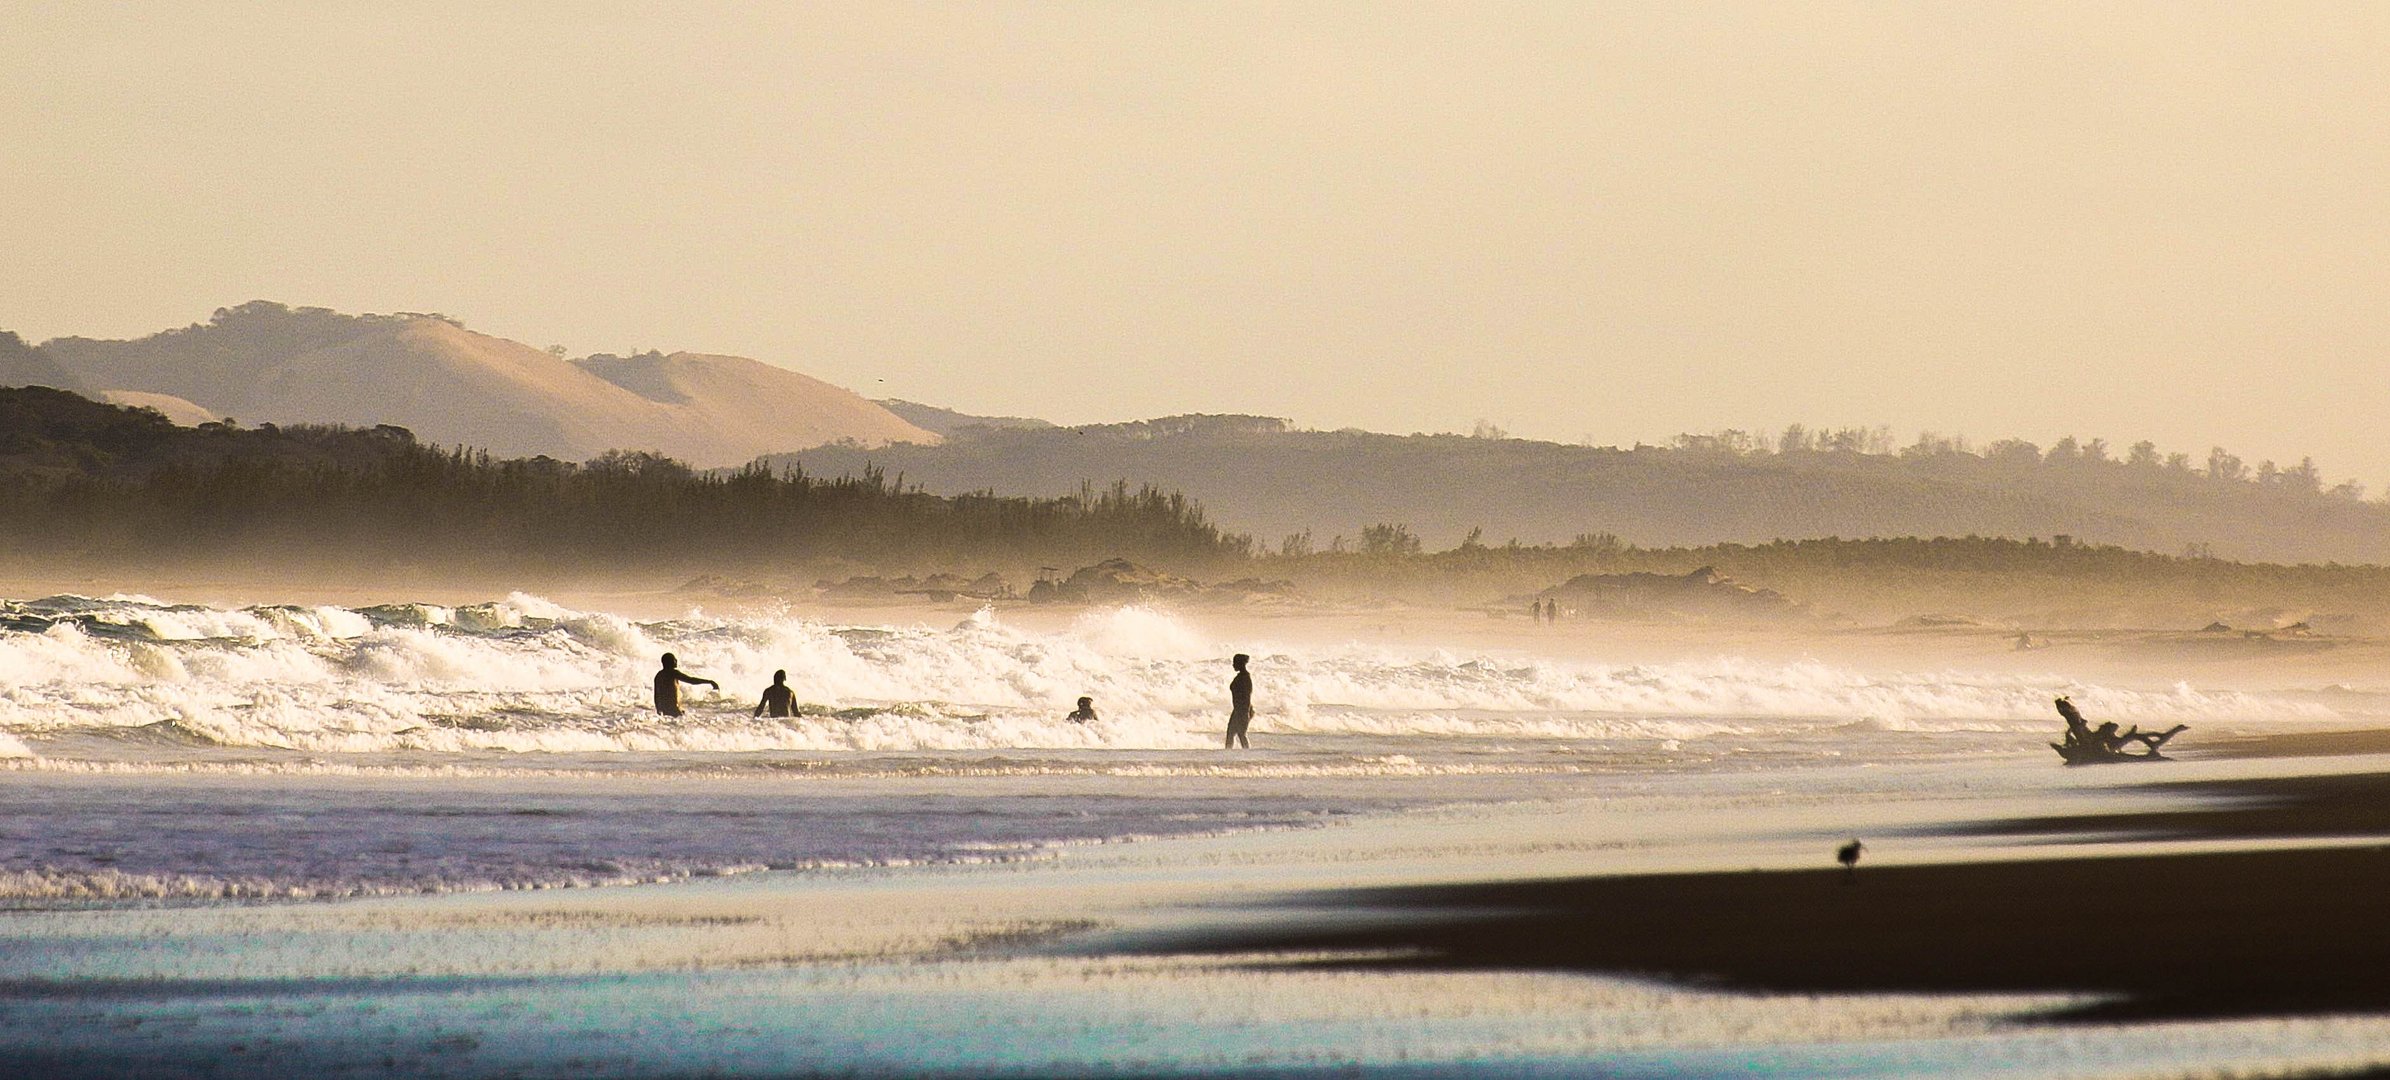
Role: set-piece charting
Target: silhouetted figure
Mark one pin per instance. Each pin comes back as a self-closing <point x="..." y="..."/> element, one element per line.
<point x="1848" y="856"/>
<point x="1240" y="704"/>
<point x="777" y="697"/>
<point x="668" y="685"/>
<point x="1085" y="713"/>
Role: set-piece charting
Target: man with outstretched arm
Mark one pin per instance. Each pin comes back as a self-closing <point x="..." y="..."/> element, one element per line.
<point x="668" y="685"/>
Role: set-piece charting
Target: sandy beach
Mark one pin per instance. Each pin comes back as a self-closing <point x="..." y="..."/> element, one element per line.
<point x="1459" y="849"/>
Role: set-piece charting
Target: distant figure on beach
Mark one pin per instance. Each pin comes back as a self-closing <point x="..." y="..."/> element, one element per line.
<point x="777" y="697"/>
<point x="1848" y="856"/>
<point x="1240" y="704"/>
<point x="1085" y="713"/>
<point x="668" y="685"/>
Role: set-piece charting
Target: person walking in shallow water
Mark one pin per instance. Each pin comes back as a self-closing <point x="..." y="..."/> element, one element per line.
<point x="778" y="697"/>
<point x="1240" y="704"/>
<point x="668" y="685"/>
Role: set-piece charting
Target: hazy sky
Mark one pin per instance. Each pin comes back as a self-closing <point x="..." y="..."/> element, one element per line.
<point x="2168" y="221"/>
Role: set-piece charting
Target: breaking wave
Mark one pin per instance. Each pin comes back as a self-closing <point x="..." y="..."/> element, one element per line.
<point x="523" y="674"/>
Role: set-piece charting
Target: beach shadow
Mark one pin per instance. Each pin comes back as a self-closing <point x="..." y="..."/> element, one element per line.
<point x="2223" y="935"/>
<point x="2343" y="806"/>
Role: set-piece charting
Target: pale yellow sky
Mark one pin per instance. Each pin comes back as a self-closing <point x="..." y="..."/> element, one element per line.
<point x="2165" y="221"/>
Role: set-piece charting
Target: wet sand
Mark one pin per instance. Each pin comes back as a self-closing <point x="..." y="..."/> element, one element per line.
<point x="2215" y="935"/>
<point x="2300" y="744"/>
<point x="2208" y="934"/>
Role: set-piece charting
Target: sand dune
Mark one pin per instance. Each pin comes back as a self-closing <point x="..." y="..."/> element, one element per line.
<point x="449" y="385"/>
<point x="725" y="407"/>
<point x="180" y="410"/>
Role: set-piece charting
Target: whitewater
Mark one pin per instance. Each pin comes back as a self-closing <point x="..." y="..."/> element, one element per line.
<point x="156" y="752"/>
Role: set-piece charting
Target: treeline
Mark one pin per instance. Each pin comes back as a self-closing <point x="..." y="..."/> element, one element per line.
<point x="2144" y="457"/>
<point x="99" y="483"/>
<point x="1298" y="488"/>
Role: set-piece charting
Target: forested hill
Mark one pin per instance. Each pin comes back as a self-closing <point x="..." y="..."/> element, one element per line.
<point x="1258" y="475"/>
<point x="89" y="484"/>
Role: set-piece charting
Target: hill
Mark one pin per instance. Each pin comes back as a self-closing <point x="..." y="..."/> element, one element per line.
<point x="24" y="365"/>
<point x="950" y="423"/>
<point x="1299" y="489"/>
<point x="264" y="362"/>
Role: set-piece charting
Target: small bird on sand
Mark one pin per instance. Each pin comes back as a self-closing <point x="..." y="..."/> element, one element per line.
<point x="1848" y="856"/>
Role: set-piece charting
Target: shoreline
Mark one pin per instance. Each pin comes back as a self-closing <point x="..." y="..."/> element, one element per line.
<point x="2174" y="935"/>
<point x="2197" y="936"/>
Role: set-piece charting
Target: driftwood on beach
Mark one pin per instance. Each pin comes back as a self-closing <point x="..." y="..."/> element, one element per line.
<point x="2084" y="745"/>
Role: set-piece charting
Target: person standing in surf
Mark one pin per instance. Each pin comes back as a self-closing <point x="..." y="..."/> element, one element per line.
<point x="668" y="685"/>
<point x="1240" y="704"/>
<point x="778" y="697"/>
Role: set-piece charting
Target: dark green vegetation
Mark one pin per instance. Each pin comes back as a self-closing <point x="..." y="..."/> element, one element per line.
<point x="1303" y="490"/>
<point x="99" y="487"/>
<point x="82" y="483"/>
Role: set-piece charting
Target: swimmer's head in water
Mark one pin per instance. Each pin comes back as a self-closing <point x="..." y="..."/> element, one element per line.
<point x="671" y="661"/>
<point x="1086" y="702"/>
<point x="780" y="676"/>
<point x="1238" y="661"/>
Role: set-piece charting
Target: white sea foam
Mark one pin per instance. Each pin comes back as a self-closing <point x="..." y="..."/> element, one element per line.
<point x="526" y="675"/>
<point x="420" y="747"/>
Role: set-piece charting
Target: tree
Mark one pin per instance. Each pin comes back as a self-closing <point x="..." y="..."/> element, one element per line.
<point x="1601" y="543"/>
<point x="2013" y="452"/>
<point x="1385" y="539"/>
<point x="2143" y="455"/>
<point x="2303" y="477"/>
<point x="2224" y="467"/>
